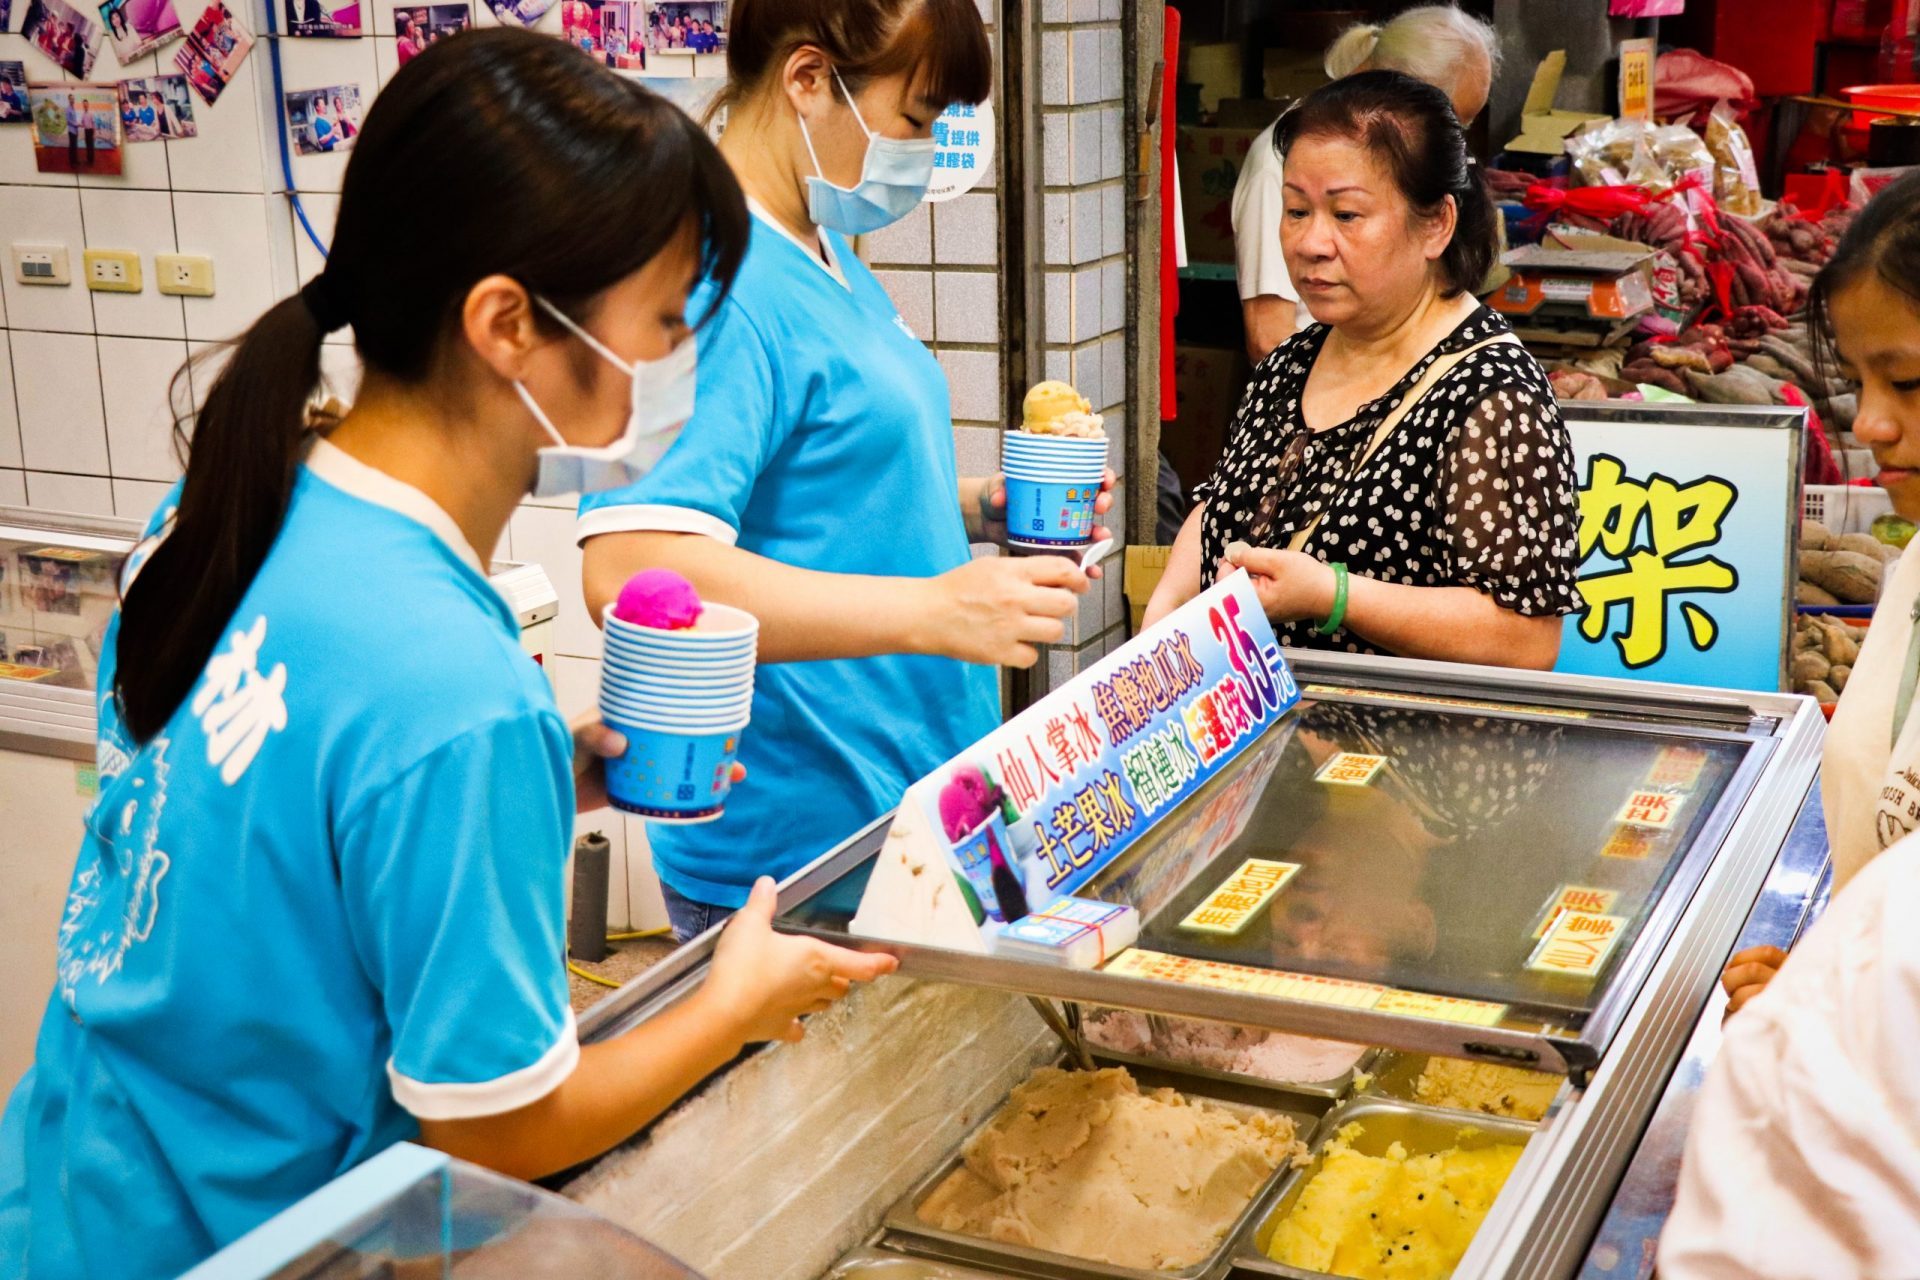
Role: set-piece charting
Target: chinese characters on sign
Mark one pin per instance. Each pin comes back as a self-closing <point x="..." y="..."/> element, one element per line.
<point x="1244" y="895"/>
<point x="1650" y="809"/>
<point x="1350" y="769"/>
<point x="1651" y="572"/>
<point x="1578" y="944"/>
<point x="1039" y="807"/>
<point x="962" y="149"/>
<point x="1632" y="843"/>
<point x="1575" y="897"/>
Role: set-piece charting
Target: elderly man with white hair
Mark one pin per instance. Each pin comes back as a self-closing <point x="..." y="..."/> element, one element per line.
<point x="1436" y="43"/>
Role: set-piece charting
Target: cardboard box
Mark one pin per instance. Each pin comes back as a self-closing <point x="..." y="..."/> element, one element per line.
<point x="1584" y="295"/>
<point x="1210" y="161"/>
<point x="1144" y="568"/>
<point x="1216" y="69"/>
<point x="1289" y="73"/>
<point x="1543" y="128"/>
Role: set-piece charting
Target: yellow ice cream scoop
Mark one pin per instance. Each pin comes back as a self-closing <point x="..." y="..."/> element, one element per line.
<point x="1048" y="402"/>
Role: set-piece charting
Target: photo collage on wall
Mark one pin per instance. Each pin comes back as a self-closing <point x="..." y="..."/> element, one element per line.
<point x="156" y="108"/>
<point x="416" y="29"/>
<point x="67" y="36"/>
<point x="609" y="31"/>
<point x="76" y="128"/>
<point x="323" y="121"/>
<point x="13" y="93"/>
<point x="138" y="27"/>
<point x="213" y="51"/>
<point x="337" y="19"/>
<point x="679" y="28"/>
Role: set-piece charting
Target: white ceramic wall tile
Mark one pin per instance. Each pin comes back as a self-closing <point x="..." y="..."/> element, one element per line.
<point x="16" y="157"/>
<point x="576" y="684"/>
<point x="233" y="231"/>
<point x="9" y="414"/>
<point x="51" y="491"/>
<point x="646" y="907"/>
<point x="143" y="222"/>
<point x="13" y="488"/>
<point x="137" y="499"/>
<point x="544" y="536"/>
<point x="136" y="376"/>
<point x="43" y="215"/>
<point x="226" y="153"/>
<point x="325" y="64"/>
<point x="143" y="166"/>
<point x="62" y="425"/>
<point x="321" y="208"/>
<point x="208" y="358"/>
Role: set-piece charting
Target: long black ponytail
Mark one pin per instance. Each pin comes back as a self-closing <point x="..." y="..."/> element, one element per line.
<point x="494" y="152"/>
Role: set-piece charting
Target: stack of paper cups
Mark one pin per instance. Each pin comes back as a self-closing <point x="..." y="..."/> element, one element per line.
<point x="1052" y="482"/>
<point x="682" y="698"/>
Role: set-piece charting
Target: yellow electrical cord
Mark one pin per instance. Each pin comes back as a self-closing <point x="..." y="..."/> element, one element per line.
<point x="578" y="972"/>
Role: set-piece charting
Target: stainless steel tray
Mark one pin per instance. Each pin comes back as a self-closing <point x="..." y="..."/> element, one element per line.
<point x="904" y="1230"/>
<point x="884" y="1264"/>
<point x="1332" y="1090"/>
<point x="1393" y="1075"/>
<point x="1419" y="1129"/>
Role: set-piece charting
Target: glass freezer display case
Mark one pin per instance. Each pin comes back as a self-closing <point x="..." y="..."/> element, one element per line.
<point x="1510" y="869"/>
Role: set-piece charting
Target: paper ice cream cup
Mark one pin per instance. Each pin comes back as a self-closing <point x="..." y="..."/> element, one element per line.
<point x="672" y="690"/>
<point x="678" y="775"/>
<point x="1050" y="514"/>
<point x="720" y="627"/>
<point x="654" y="660"/>
<point x="675" y="708"/>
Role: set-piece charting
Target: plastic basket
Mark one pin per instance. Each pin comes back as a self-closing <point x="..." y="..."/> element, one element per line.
<point x="1845" y="508"/>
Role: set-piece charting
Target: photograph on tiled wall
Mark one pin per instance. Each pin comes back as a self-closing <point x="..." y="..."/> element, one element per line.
<point x="76" y="128"/>
<point x="322" y="121"/>
<point x="686" y="26"/>
<point x="416" y="29"/>
<point x="607" y="31"/>
<point x="137" y="27"/>
<point x="156" y="109"/>
<point x="335" y="18"/>
<point x="64" y="34"/>
<point x="523" y="12"/>
<point x="13" y="93"/>
<point x="214" y="50"/>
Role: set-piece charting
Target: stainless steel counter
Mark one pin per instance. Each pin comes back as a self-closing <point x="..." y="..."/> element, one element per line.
<point x="1791" y="899"/>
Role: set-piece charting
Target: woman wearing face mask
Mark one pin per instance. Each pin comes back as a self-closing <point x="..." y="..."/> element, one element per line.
<point x="317" y="908"/>
<point x="816" y="485"/>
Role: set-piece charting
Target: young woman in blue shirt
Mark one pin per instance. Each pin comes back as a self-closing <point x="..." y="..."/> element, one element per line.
<point x="318" y="905"/>
<point x="816" y="486"/>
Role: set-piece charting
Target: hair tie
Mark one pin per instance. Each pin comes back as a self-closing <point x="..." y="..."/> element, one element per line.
<point x="323" y="303"/>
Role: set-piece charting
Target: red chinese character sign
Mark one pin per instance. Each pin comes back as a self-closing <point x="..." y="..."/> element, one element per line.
<point x="1035" y="810"/>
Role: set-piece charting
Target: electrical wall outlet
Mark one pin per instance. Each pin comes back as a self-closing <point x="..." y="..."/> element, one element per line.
<point x="112" y="270"/>
<point x="184" y="275"/>
<point x="41" y="264"/>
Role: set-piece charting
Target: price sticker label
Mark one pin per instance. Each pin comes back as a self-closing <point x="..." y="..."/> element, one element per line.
<point x="1578" y="944"/>
<point x="1350" y="769"/>
<point x="1574" y="897"/>
<point x="1652" y="809"/>
<point x="1418" y="1004"/>
<point x="1241" y="897"/>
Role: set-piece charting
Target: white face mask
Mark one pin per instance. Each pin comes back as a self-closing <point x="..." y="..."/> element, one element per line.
<point x="662" y="403"/>
<point x="893" y="180"/>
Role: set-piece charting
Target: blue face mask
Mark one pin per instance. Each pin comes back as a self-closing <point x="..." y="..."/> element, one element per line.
<point x="662" y="401"/>
<point x="893" y="180"/>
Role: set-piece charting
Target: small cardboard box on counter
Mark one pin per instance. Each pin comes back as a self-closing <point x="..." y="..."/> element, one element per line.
<point x="1210" y="161"/>
<point x="1544" y="127"/>
<point x="1583" y="295"/>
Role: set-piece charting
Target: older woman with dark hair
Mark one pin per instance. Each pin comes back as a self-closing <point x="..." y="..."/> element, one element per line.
<point x="1398" y="479"/>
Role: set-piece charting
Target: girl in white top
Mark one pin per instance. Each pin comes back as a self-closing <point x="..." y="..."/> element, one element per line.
<point x="1804" y="1158"/>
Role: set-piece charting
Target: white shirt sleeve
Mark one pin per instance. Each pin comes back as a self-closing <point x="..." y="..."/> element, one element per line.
<point x="1258" y="201"/>
<point x="1803" y="1161"/>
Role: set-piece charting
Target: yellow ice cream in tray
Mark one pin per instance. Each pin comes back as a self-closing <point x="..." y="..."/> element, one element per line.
<point x="1394" y="1191"/>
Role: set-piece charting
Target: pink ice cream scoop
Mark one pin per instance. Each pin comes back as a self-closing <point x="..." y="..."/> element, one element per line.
<point x="658" y="598"/>
<point x="966" y="801"/>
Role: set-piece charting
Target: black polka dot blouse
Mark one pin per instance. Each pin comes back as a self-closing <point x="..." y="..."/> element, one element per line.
<point x="1474" y="487"/>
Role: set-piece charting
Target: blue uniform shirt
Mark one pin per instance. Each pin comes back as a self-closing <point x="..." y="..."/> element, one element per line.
<point x="821" y="437"/>
<point x="323" y="900"/>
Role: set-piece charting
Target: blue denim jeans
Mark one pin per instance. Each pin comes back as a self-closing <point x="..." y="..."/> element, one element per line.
<point x="690" y="919"/>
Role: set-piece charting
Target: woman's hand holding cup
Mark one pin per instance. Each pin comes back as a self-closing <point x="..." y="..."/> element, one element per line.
<point x="995" y="610"/>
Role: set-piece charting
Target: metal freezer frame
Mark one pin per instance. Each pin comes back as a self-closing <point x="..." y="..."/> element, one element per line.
<point x="1543" y="1221"/>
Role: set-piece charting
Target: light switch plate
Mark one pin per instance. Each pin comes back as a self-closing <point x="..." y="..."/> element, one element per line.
<point x="112" y="270"/>
<point x="183" y="275"/>
<point x="41" y="264"/>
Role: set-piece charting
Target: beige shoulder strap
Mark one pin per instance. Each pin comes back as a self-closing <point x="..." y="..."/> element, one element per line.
<point x="1439" y="369"/>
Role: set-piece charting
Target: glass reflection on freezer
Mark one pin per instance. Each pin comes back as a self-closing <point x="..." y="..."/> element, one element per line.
<point x="55" y="603"/>
<point x="1440" y="870"/>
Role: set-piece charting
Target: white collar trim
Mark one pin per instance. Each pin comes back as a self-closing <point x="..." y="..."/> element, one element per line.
<point x="820" y="254"/>
<point x="350" y="475"/>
